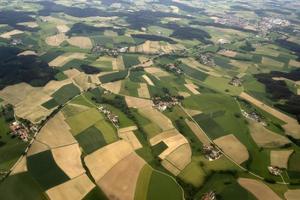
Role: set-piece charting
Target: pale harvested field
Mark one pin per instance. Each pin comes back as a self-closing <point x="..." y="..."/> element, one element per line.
<point x="294" y="63"/>
<point x="68" y="159"/>
<point x="280" y="158"/>
<point x="72" y="73"/>
<point x="56" y="132"/>
<point x="82" y="81"/>
<point x="55" y="40"/>
<point x="143" y="91"/>
<point x="196" y="65"/>
<point x="62" y="28"/>
<point x="180" y="157"/>
<point x="37" y="147"/>
<point x="126" y="129"/>
<point x="130" y="137"/>
<point x="148" y="80"/>
<point x="228" y="53"/>
<point x="156" y="71"/>
<point x="27" y="101"/>
<point x="120" y="181"/>
<point x="184" y="94"/>
<point x="292" y="194"/>
<point x="170" y="167"/>
<point x="143" y="59"/>
<point x="63" y="59"/>
<point x="102" y="160"/>
<point x="53" y="86"/>
<point x="269" y="61"/>
<point x="20" y="167"/>
<point x="155" y="47"/>
<point x="134" y="102"/>
<point x="27" y="53"/>
<point x="173" y="143"/>
<point x="81" y="42"/>
<point x="14" y="94"/>
<point x="198" y="132"/>
<point x="265" y="138"/>
<point x="9" y="34"/>
<point x="76" y="188"/>
<point x="29" y="24"/>
<point x="233" y="148"/>
<point x="157" y="117"/>
<point x="258" y="189"/>
<point x="193" y="112"/>
<point x="192" y="87"/>
<point x="162" y="136"/>
<point x="292" y="127"/>
<point x="118" y="63"/>
<point x="95" y="79"/>
<point x="113" y="87"/>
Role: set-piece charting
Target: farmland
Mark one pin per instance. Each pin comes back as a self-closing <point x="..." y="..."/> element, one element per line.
<point x="149" y="100"/>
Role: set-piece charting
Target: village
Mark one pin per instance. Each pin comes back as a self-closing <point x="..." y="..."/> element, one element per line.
<point x="21" y="131"/>
<point x="100" y="49"/>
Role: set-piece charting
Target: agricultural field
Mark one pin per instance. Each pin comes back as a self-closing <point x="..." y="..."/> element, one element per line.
<point x="149" y="100"/>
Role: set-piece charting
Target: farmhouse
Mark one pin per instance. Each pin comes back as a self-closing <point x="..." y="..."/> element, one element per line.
<point x="206" y="59"/>
<point x="253" y="116"/>
<point x="211" y="152"/>
<point x="162" y="104"/>
<point x="235" y="81"/>
<point x="275" y="170"/>
<point x="209" y="196"/>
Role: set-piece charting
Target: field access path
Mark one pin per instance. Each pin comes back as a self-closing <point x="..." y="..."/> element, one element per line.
<point x="228" y="157"/>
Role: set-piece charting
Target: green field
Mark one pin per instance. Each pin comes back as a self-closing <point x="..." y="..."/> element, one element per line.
<point x="113" y="76"/>
<point x="130" y="60"/>
<point x="90" y="139"/>
<point x="226" y="186"/>
<point x="45" y="171"/>
<point x="83" y="120"/>
<point x="11" y="147"/>
<point x="61" y="96"/>
<point x="142" y="184"/>
<point x="22" y="187"/>
<point x="108" y="131"/>
<point x="163" y="187"/>
<point x="222" y="85"/>
<point x="94" y="194"/>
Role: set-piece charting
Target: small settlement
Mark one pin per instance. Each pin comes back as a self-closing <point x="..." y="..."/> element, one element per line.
<point x="275" y="170"/>
<point x="102" y="50"/>
<point x="162" y="104"/>
<point x="209" y="196"/>
<point x="236" y="81"/>
<point x="253" y="116"/>
<point x="173" y="68"/>
<point x="19" y="130"/>
<point x="206" y="59"/>
<point x="211" y="152"/>
<point x="114" y="119"/>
